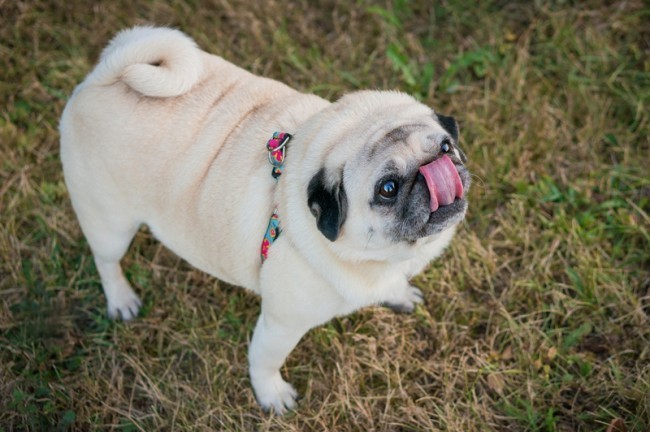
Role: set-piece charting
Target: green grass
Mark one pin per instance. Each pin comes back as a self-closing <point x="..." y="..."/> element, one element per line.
<point x="536" y="319"/>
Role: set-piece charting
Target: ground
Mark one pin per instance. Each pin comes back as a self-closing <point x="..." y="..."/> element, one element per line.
<point x="536" y="318"/>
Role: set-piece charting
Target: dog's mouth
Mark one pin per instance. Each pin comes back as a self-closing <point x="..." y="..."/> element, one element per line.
<point x="443" y="182"/>
<point x="442" y="187"/>
<point x="436" y="200"/>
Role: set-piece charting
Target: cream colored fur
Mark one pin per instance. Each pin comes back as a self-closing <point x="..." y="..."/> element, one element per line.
<point x="164" y="134"/>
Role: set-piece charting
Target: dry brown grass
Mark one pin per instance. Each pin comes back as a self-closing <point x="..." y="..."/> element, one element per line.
<point x="537" y="319"/>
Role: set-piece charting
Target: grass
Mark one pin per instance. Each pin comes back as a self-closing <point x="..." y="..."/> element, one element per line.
<point x="536" y="319"/>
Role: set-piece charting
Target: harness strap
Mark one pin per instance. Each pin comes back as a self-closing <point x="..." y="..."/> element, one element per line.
<point x="276" y="148"/>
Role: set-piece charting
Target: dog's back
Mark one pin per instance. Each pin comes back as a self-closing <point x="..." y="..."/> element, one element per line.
<point x="151" y="137"/>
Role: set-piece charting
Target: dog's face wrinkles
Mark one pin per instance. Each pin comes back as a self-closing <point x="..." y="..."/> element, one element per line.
<point x="396" y="195"/>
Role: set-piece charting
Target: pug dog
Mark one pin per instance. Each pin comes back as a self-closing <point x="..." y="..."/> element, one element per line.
<point x="372" y="187"/>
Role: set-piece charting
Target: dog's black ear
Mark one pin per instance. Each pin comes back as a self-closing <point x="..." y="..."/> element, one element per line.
<point x="449" y="124"/>
<point x="329" y="205"/>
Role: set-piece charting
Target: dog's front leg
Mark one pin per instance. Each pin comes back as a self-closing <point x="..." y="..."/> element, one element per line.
<point x="272" y="342"/>
<point x="292" y="303"/>
<point x="404" y="298"/>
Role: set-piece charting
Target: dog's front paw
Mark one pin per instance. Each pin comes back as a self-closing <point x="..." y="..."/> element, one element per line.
<point x="406" y="301"/>
<point x="274" y="393"/>
<point x="123" y="304"/>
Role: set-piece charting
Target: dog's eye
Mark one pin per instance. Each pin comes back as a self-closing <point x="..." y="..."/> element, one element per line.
<point x="445" y="147"/>
<point x="388" y="189"/>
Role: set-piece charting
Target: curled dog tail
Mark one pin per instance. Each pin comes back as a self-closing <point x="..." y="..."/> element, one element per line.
<point x="153" y="61"/>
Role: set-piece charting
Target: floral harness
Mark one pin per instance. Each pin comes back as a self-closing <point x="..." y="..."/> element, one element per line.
<point x="276" y="148"/>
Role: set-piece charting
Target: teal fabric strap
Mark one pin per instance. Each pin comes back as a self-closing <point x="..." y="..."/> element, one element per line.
<point x="277" y="149"/>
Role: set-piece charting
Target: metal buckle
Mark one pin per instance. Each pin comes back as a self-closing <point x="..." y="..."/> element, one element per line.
<point x="281" y="148"/>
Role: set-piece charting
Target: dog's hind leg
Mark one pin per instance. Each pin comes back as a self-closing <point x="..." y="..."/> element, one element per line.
<point x="108" y="246"/>
<point x="109" y="235"/>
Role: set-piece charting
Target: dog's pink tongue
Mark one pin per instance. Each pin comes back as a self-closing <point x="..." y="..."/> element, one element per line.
<point x="443" y="182"/>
